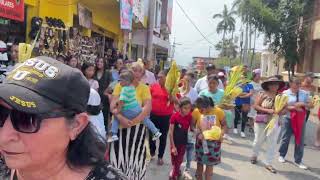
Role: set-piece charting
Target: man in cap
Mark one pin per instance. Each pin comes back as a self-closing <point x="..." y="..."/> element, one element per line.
<point x="202" y="83"/>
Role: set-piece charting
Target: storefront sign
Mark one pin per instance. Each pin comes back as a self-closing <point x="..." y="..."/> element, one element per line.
<point x="12" y="9"/>
<point x="85" y="16"/>
<point x="126" y="14"/>
<point x="138" y="9"/>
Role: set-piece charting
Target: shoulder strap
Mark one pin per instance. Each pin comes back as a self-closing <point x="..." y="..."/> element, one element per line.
<point x="298" y="96"/>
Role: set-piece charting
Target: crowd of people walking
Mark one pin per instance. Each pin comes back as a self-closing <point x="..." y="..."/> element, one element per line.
<point x="129" y="106"/>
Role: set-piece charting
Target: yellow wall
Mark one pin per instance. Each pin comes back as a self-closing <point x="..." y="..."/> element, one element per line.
<point x="106" y="14"/>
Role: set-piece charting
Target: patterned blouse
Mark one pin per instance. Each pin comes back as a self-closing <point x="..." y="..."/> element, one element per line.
<point x="267" y="101"/>
<point x="103" y="171"/>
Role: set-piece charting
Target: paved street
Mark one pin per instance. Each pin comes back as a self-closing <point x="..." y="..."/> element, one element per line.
<point x="236" y="165"/>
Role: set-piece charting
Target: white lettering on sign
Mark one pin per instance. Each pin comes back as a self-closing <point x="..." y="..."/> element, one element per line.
<point x="7" y="3"/>
<point x="42" y="66"/>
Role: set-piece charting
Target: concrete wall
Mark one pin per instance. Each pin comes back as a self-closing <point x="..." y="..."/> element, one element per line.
<point x="270" y="64"/>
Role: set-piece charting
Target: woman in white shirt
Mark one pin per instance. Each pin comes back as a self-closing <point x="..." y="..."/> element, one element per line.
<point x="187" y="90"/>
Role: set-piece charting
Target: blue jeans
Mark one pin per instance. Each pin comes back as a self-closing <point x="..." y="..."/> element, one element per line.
<point x="285" y="141"/>
<point x="130" y="114"/>
<point x="189" y="154"/>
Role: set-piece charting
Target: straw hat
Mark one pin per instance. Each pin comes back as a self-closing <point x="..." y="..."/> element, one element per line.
<point x="272" y="80"/>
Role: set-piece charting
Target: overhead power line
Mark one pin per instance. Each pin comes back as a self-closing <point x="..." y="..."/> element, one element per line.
<point x="197" y="41"/>
<point x="191" y="21"/>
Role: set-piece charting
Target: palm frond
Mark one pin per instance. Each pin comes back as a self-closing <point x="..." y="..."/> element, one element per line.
<point x="217" y="16"/>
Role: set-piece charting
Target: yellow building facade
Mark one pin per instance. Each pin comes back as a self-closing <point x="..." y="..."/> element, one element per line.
<point x="105" y="15"/>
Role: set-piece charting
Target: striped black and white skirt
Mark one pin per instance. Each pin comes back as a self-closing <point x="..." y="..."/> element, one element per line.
<point x="129" y="154"/>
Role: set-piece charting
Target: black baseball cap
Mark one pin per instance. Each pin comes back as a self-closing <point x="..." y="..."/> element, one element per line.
<point x="43" y="84"/>
<point x="210" y="67"/>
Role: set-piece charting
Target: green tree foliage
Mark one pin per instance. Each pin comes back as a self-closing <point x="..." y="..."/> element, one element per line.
<point x="226" y="25"/>
<point x="227" y="48"/>
<point x="222" y="62"/>
<point x="282" y="21"/>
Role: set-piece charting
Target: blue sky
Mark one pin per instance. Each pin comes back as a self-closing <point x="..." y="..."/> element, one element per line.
<point x="192" y="43"/>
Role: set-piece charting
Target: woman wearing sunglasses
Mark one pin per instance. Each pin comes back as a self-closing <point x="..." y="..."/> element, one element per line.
<point x="45" y="131"/>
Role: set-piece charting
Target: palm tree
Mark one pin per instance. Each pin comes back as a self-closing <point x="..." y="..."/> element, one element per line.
<point x="242" y="9"/>
<point x="227" y="23"/>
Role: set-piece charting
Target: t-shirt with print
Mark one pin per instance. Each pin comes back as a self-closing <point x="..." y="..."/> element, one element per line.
<point x="216" y="112"/>
<point x="216" y="97"/>
<point x="128" y="97"/>
<point x="184" y="121"/>
<point x="246" y="89"/>
<point x="103" y="171"/>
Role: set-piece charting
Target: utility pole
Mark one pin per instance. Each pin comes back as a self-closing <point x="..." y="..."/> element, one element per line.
<point x="254" y="49"/>
<point x="209" y="51"/>
<point x="241" y="46"/>
<point x="174" y="45"/>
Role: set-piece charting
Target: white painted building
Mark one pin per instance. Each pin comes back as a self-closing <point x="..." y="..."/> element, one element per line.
<point x="271" y="64"/>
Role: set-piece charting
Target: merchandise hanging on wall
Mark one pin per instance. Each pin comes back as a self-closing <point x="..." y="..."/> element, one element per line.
<point x="86" y="49"/>
<point x="53" y="39"/>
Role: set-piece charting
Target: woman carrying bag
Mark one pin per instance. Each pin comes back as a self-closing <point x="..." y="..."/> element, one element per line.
<point x="294" y="122"/>
<point x="264" y="105"/>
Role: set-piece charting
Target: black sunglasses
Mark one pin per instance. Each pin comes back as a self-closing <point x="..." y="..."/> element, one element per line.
<point x="26" y="122"/>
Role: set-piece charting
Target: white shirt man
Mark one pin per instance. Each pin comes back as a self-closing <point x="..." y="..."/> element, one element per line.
<point x="202" y="83"/>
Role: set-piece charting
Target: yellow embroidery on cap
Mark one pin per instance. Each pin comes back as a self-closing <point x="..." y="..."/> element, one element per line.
<point x="33" y="80"/>
<point x="23" y="103"/>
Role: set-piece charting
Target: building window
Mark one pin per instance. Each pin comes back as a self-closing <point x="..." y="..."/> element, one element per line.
<point x="157" y="16"/>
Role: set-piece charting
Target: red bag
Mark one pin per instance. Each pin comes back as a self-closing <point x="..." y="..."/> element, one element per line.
<point x="319" y="114"/>
<point x="297" y="123"/>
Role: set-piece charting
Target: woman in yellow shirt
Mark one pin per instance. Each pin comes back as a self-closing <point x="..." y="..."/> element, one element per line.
<point x="123" y="153"/>
<point x="207" y="111"/>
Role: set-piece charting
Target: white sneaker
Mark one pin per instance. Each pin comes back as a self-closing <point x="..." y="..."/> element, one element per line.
<point x="281" y="159"/>
<point x="156" y="136"/>
<point x="242" y="134"/>
<point x="235" y="131"/>
<point x="301" y="166"/>
<point x="227" y="137"/>
<point x="113" y="138"/>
